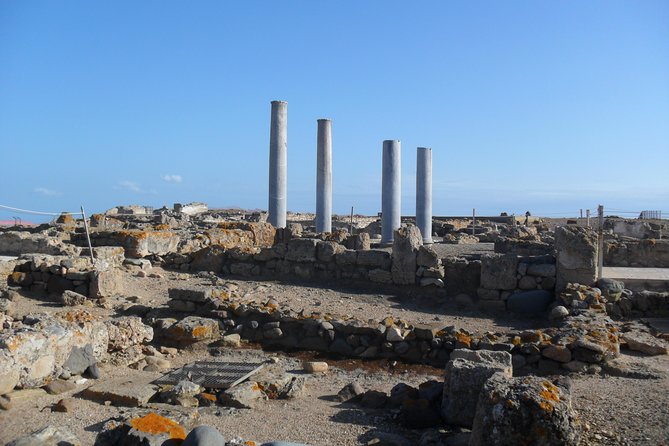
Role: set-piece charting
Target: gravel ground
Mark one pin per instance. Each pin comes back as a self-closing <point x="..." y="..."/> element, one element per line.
<point x="614" y="410"/>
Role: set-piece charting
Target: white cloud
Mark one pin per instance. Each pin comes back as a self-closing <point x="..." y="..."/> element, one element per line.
<point x="47" y="192"/>
<point x="131" y="186"/>
<point x="172" y="178"/>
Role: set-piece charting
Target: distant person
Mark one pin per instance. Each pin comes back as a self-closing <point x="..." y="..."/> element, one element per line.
<point x="527" y="218"/>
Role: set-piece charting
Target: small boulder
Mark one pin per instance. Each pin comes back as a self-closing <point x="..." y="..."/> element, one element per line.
<point x="315" y="366"/>
<point x="204" y="436"/>
<point x="525" y="410"/>
<point x="70" y="299"/>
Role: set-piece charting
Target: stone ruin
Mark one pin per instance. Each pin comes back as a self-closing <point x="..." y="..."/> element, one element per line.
<point x="514" y="382"/>
<point x="504" y="387"/>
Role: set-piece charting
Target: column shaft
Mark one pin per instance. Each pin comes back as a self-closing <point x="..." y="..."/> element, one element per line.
<point x="278" y="164"/>
<point x="424" y="193"/>
<point x="324" y="176"/>
<point x="391" y="190"/>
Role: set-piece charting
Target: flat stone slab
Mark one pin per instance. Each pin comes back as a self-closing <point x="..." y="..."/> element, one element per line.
<point x="622" y="273"/>
<point x="132" y="391"/>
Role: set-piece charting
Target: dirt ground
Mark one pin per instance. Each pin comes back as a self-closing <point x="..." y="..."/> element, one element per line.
<point x="613" y="410"/>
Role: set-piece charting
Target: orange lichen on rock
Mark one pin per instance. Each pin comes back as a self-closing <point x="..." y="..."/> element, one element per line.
<point x="463" y="338"/>
<point x="199" y="332"/>
<point x="153" y="423"/>
<point x="550" y="392"/>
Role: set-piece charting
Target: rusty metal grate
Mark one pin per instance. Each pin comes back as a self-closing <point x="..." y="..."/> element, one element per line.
<point x="212" y="374"/>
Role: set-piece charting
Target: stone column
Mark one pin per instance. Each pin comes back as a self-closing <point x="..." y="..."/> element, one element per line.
<point x="278" y="163"/>
<point x="424" y="193"/>
<point x="391" y="191"/>
<point x="324" y="176"/>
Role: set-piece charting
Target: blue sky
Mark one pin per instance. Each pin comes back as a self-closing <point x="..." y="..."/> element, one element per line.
<point x="549" y="106"/>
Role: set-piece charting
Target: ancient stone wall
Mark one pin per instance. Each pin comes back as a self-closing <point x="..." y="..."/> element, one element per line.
<point x="646" y="253"/>
<point x="576" y="255"/>
<point x="588" y="338"/>
<point x="506" y="275"/>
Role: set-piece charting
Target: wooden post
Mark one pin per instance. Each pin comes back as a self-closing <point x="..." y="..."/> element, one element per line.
<point x="351" y="225"/>
<point x="587" y="218"/>
<point x="474" y="221"/>
<point x="88" y="235"/>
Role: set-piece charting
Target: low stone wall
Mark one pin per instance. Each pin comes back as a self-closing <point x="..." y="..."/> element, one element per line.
<point x="504" y="245"/>
<point x="587" y="338"/>
<point x="503" y="275"/>
<point x="56" y="274"/>
<point x="16" y="243"/>
<point x="37" y="353"/>
<point x="646" y="253"/>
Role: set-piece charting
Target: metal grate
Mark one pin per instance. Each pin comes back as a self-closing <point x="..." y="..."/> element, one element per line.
<point x="212" y="374"/>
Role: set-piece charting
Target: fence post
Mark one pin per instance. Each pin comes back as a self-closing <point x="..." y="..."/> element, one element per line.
<point x="587" y="218"/>
<point x="88" y="236"/>
<point x="474" y="221"/>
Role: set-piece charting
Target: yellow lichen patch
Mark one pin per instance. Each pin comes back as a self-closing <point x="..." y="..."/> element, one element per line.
<point x="516" y="340"/>
<point x="550" y="392"/>
<point x="155" y="424"/>
<point x="199" y="332"/>
<point x="208" y="396"/>
<point x="250" y="443"/>
<point x="162" y="227"/>
<point x="463" y="338"/>
<point x="256" y="387"/>
<point x="547" y="407"/>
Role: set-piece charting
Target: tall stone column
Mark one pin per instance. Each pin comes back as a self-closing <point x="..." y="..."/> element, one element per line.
<point x="324" y="176"/>
<point x="424" y="193"/>
<point x="391" y="190"/>
<point x="278" y="164"/>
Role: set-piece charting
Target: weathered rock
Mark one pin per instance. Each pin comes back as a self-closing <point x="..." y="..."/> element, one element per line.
<point x="106" y="283"/>
<point x="232" y="340"/>
<point x="373" y="258"/>
<point x="406" y="242"/>
<point x="327" y="250"/>
<point x="65" y="405"/>
<point x="70" y="298"/>
<point x="59" y="386"/>
<point x="529" y="302"/>
<point x="48" y="436"/>
<point x="611" y="289"/>
<point x="558" y="353"/>
<point x="350" y="392"/>
<point x="427" y="257"/>
<point x="193" y="329"/>
<point x="558" y="313"/>
<point x="132" y="391"/>
<point x="466" y="373"/>
<point x="126" y="331"/>
<point x="374" y="399"/>
<point x="576" y="258"/>
<point x="380" y="276"/>
<point x="498" y="271"/>
<point x="204" y="436"/>
<point x="246" y="395"/>
<point x="301" y="250"/>
<point x="315" y="366"/>
<point x="645" y="343"/>
<point x="183" y="389"/>
<point x="38" y="352"/>
<point x="80" y="359"/>
<point x="524" y="410"/>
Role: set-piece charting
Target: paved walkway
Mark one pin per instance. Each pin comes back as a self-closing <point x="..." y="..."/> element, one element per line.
<point x="636" y="273"/>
